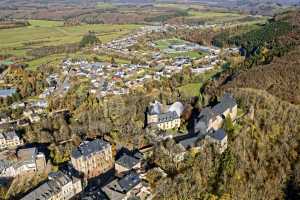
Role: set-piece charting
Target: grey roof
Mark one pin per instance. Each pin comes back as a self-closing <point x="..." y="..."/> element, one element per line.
<point x="129" y="181"/>
<point x="127" y="161"/>
<point x="10" y="135"/>
<point x="43" y="192"/>
<point x="226" y="102"/>
<point x="206" y="114"/>
<point x="88" y="148"/>
<point x="60" y="178"/>
<point x="7" y="92"/>
<point x="50" y="188"/>
<point x="189" y="142"/>
<point x="4" y="164"/>
<point x="219" y="135"/>
<point x="113" y="190"/>
<point x="155" y="108"/>
<point x="166" y="117"/>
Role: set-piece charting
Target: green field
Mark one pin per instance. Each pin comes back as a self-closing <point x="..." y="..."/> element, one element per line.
<point x="45" y="23"/>
<point x="102" y="5"/>
<point x="165" y="43"/>
<point x="190" y="90"/>
<point x="214" y="16"/>
<point x="17" y="41"/>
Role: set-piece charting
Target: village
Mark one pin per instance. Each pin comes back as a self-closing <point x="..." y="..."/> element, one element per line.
<point x="126" y="171"/>
<point x="95" y="170"/>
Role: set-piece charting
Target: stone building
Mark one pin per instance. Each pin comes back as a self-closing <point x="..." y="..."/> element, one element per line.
<point x="28" y="161"/>
<point x="58" y="187"/>
<point x="92" y="158"/>
<point x="130" y="186"/>
<point x="164" y="117"/>
<point x="218" y="139"/>
<point x="127" y="163"/>
<point x="213" y="118"/>
<point x="9" y="140"/>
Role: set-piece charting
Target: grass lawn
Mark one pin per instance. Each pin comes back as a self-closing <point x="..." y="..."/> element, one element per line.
<point x="214" y="16"/>
<point x="102" y="5"/>
<point x="165" y="43"/>
<point x="45" y="23"/>
<point x="190" y="54"/>
<point x="190" y="90"/>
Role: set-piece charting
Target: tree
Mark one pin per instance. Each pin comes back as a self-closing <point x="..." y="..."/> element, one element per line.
<point x="89" y="39"/>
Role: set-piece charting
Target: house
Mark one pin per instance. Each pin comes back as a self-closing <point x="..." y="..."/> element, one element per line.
<point x="127" y="163"/>
<point x="6" y="168"/>
<point x="164" y="118"/>
<point x="130" y="186"/>
<point x="9" y="140"/>
<point x="213" y="118"/>
<point x="218" y="139"/>
<point x="92" y="158"/>
<point x="58" y="187"/>
<point x="28" y="161"/>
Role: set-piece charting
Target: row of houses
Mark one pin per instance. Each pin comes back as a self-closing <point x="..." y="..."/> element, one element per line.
<point x="92" y="159"/>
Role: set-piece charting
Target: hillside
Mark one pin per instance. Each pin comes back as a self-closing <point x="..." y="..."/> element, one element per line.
<point x="262" y="161"/>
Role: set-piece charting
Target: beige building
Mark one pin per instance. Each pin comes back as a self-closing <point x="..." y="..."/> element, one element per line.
<point x="93" y="158"/>
<point x="213" y="118"/>
<point x="164" y="117"/>
<point x="218" y="139"/>
<point x="9" y="140"/>
<point x="28" y="161"/>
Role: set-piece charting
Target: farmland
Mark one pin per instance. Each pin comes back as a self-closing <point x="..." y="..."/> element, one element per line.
<point x="18" y="41"/>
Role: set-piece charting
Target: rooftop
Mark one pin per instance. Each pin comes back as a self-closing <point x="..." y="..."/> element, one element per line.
<point x="89" y="147"/>
<point x="226" y="102"/>
<point x="129" y="181"/>
<point x="10" y="135"/>
<point x="166" y="117"/>
<point x="127" y="161"/>
<point x="220" y="134"/>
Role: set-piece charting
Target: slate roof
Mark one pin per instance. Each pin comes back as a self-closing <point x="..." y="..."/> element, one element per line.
<point x="129" y="181"/>
<point x="43" y="192"/>
<point x="10" y="135"/>
<point x="88" y="148"/>
<point x="219" y="135"/>
<point x="189" y="142"/>
<point x="166" y="117"/>
<point x="4" y="164"/>
<point x="127" y="161"/>
<point x="49" y="188"/>
<point x="226" y="102"/>
<point x="155" y="108"/>
<point x="206" y="114"/>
